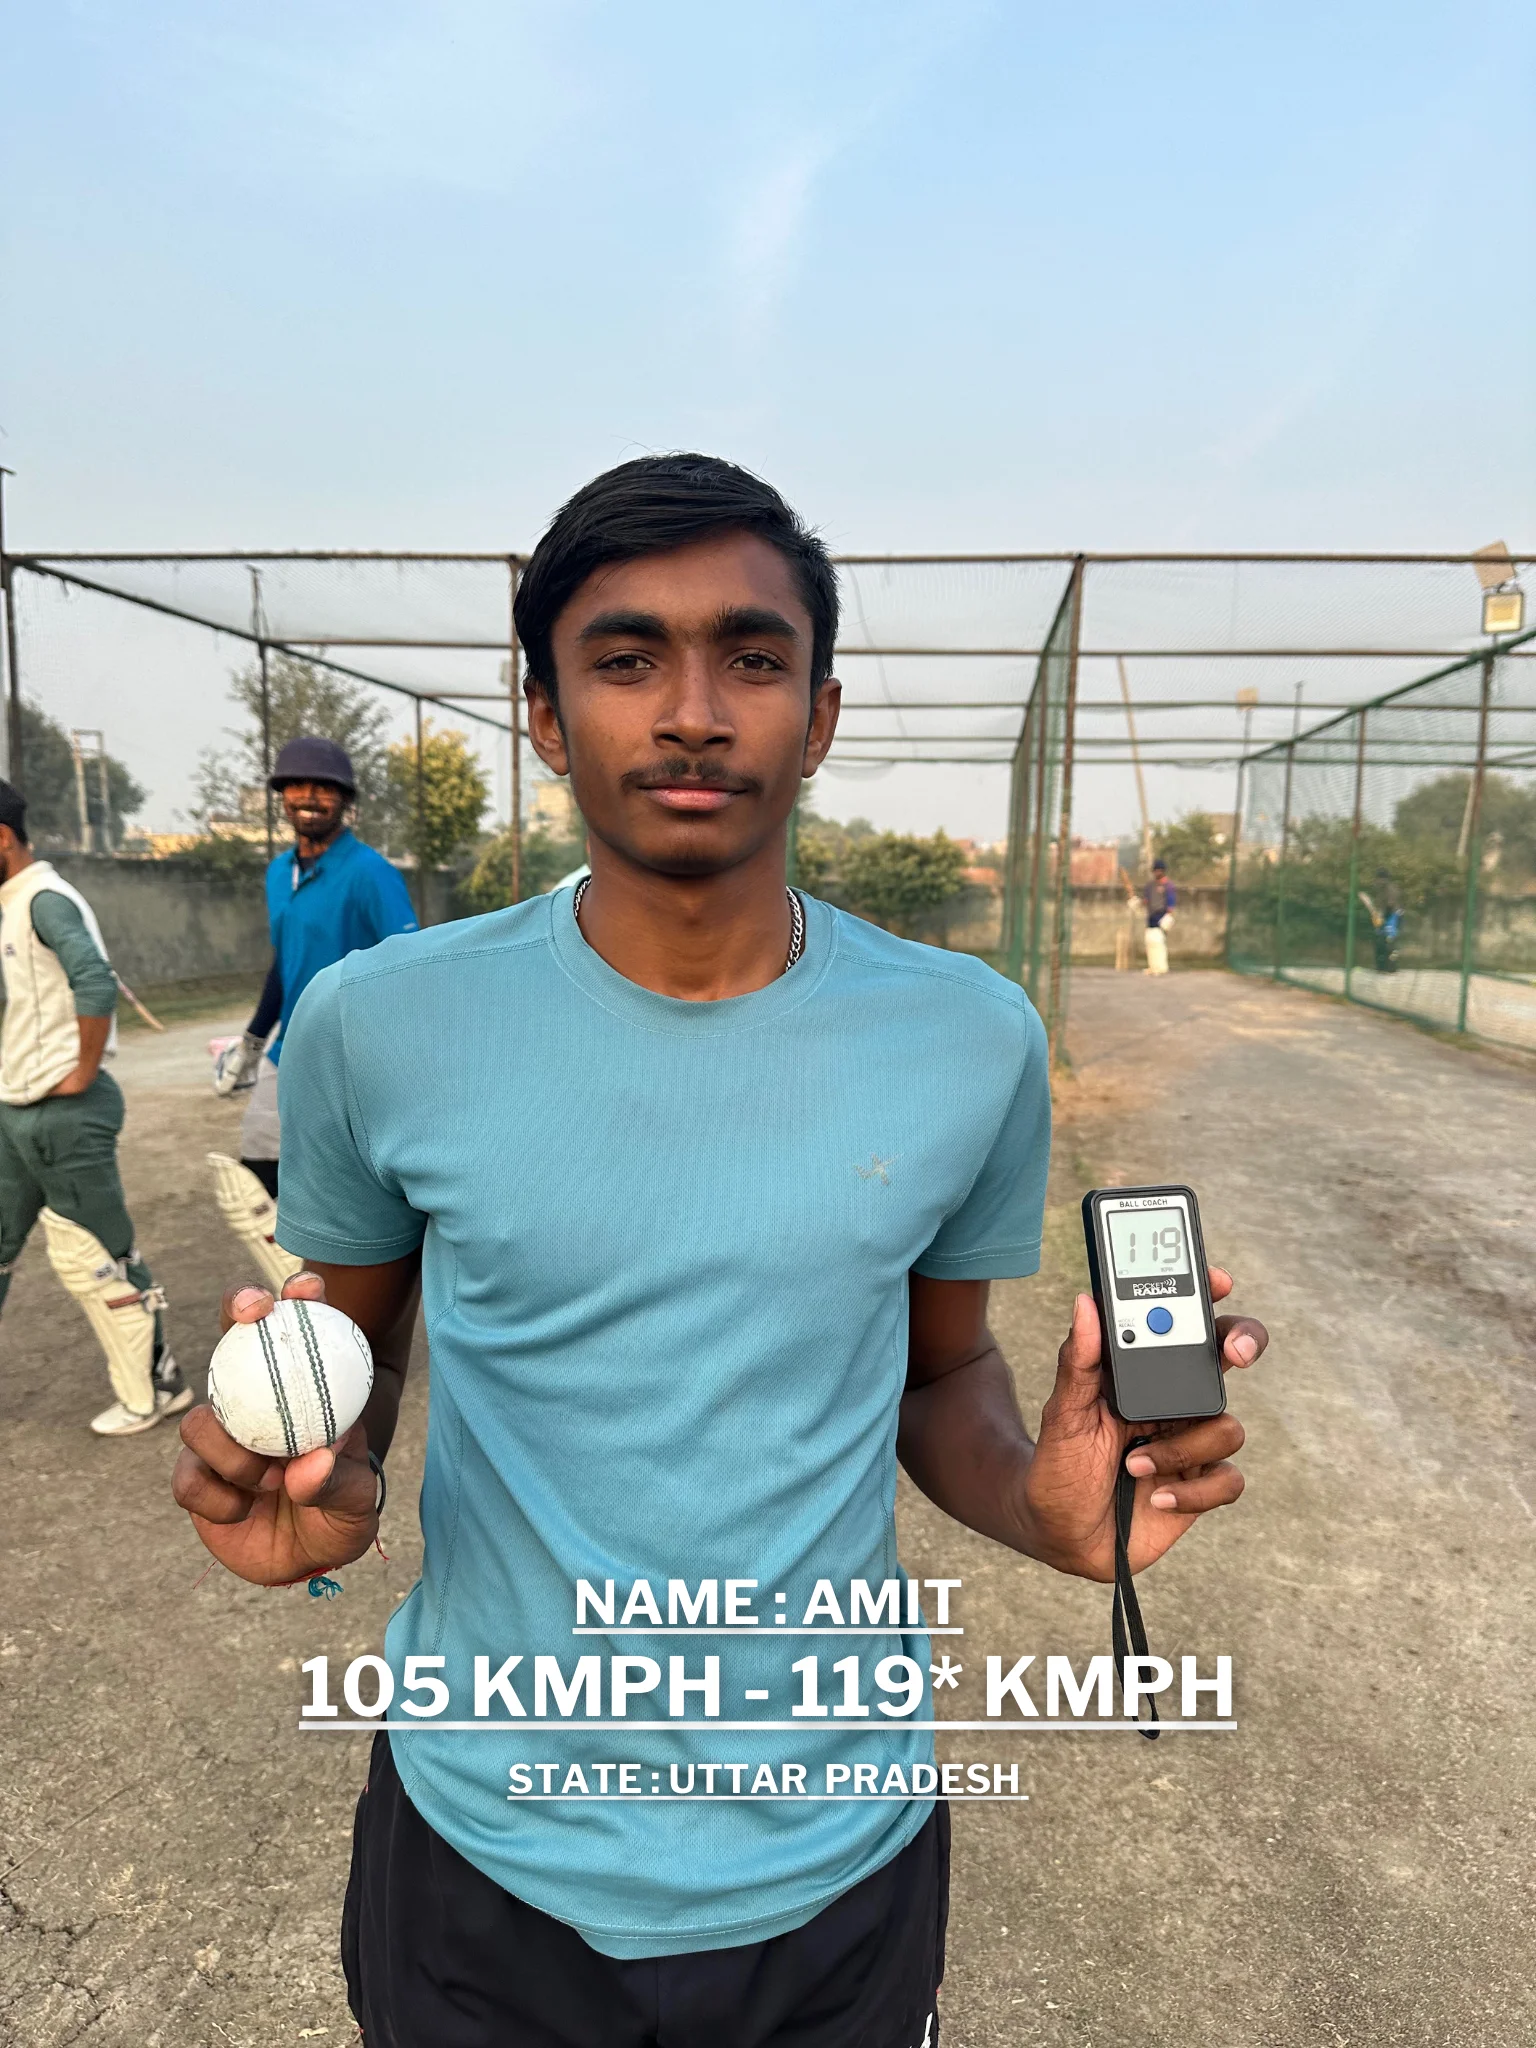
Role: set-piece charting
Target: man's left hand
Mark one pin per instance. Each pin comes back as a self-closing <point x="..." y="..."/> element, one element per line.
<point x="1184" y="1472"/>
<point x="76" y="1081"/>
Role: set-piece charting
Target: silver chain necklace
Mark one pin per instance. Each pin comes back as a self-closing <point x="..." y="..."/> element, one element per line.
<point x="796" y="919"/>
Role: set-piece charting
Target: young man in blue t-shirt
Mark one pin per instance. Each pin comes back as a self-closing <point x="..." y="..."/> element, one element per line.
<point x="703" y="1184"/>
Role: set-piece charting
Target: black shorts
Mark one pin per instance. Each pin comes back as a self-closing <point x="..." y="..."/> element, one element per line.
<point x="438" y="1956"/>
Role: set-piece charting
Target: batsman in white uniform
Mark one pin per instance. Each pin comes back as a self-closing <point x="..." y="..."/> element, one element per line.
<point x="60" y="1114"/>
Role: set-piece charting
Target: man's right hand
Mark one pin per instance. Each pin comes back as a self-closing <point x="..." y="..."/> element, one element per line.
<point x="237" y="1069"/>
<point x="274" y="1520"/>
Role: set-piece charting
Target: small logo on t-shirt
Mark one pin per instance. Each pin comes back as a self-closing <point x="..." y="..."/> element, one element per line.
<point x="878" y="1169"/>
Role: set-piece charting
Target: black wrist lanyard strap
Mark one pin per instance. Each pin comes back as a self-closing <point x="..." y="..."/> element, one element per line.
<point x="1125" y="1616"/>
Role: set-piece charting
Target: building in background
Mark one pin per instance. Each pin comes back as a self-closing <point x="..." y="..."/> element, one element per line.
<point x="552" y="809"/>
<point x="1095" y="863"/>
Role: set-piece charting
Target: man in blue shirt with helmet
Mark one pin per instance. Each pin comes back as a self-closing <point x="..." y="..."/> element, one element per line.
<point x="327" y="896"/>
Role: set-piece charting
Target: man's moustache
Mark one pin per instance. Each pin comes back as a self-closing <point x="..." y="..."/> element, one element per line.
<point x="688" y="774"/>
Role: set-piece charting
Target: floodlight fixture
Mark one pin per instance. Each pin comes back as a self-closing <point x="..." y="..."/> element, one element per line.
<point x="1247" y="700"/>
<point x="1503" y="610"/>
<point x="1503" y="599"/>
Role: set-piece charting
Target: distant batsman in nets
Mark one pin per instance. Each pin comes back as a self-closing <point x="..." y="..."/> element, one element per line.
<point x="328" y="895"/>
<point x="60" y="1114"/>
<point x="703" y="1182"/>
<point x="1160" y="897"/>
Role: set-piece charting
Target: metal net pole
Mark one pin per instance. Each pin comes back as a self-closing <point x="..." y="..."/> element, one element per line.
<point x="1018" y="835"/>
<point x="1285" y="848"/>
<point x="517" y="732"/>
<point x="1474" y="843"/>
<point x="1005" y="931"/>
<point x="421" y="822"/>
<point x="104" y="793"/>
<point x="266" y="745"/>
<point x="15" y="772"/>
<point x="82" y="808"/>
<point x="1237" y="832"/>
<point x="1056" y="1020"/>
<point x="1037" y="830"/>
<point x="259" y="629"/>
<point x="1040" y="825"/>
<point x="1354" y="858"/>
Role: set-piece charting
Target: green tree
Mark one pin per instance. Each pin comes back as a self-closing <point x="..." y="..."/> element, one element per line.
<point x="436" y="817"/>
<point x="48" y="772"/>
<point x="304" y="698"/>
<point x="1421" y="877"/>
<point x="816" y="858"/>
<point x="546" y="856"/>
<point x="1196" y="847"/>
<point x="893" y="877"/>
<point x="822" y="849"/>
<point x="1434" y="814"/>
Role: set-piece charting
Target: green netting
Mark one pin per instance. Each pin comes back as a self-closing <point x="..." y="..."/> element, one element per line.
<point x="1387" y="854"/>
<point x="1390" y="855"/>
<point x="135" y="664"/>
<point x="1036" y="905"/>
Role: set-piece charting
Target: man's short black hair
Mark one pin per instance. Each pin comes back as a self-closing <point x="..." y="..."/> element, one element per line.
<point x="649" y="507"/>
<point x="13" y="810"/>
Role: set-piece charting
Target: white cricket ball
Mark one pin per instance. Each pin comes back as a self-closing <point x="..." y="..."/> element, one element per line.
<point x="293" y="1382"/>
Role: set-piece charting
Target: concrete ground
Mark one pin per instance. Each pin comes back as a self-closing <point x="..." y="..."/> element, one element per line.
<point x="1500" y="1008"/>
<point x="1350" y="1867"/>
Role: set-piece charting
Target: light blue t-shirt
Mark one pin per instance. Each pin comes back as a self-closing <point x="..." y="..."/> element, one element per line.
<point x="665" y="1259"/>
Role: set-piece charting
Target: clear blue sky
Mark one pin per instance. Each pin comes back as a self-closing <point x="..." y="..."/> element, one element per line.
<point x="970" y="275"/>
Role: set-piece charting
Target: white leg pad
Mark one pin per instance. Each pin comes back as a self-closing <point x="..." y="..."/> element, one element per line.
<point x="251" y="1214"/>
<point x="122" y="1316"/>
